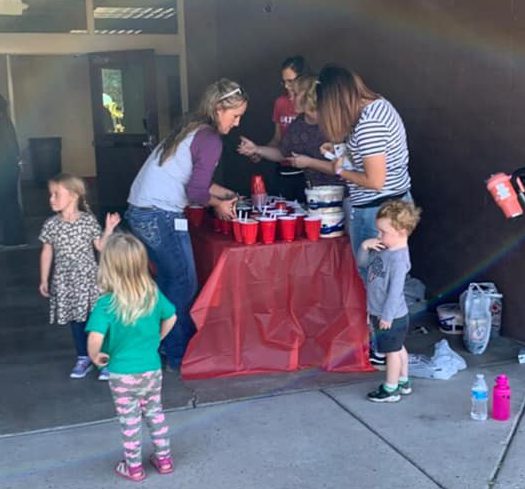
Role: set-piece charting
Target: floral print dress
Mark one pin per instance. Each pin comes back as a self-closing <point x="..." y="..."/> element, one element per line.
<point x="73" y="289"/>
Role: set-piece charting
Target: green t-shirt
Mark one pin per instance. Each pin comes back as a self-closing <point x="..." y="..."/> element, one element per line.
<point x="132" y="349"/>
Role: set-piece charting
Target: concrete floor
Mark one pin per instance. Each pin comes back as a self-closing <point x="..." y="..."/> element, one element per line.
<point x="301" y="430"/>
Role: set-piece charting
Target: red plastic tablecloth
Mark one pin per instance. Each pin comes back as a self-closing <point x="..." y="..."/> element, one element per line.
<point x="279" y="307"/>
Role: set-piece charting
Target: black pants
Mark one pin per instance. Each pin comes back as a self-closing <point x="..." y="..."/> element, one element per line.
<point x="292" y="187"/>
<point x="11" y="219"/>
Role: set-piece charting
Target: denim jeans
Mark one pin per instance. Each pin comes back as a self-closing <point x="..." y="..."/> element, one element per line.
<point x="172" y="254"/>
<point x="78" y="331"/>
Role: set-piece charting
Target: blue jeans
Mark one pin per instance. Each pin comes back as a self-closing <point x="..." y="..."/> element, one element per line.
<point x="78" y="330"/>
<point x="172" y="254"/>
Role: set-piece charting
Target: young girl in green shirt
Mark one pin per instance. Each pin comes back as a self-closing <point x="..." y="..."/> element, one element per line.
<point x="125" y="329"/>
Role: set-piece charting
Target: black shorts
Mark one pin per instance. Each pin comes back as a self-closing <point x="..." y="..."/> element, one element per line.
<point x="390" y="340"/>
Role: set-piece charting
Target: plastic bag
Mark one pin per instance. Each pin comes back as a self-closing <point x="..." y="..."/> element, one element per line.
<point x="476" y="304"/>
<point x="496" y="305"/>
<point x="442" y="365"/>
<point x="414" y="291"/>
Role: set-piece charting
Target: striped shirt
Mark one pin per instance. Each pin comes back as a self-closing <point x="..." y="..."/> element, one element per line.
<point x="379" y="130"/>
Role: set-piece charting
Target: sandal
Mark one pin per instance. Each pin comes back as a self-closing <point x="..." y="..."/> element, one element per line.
<point x="162" y="465"/>
<point x="136" y="474"/>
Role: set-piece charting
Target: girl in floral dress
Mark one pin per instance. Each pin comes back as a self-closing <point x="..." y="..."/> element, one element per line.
<point x="68" y="267"/>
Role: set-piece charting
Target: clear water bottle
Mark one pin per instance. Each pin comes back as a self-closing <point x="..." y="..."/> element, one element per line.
<point x="480" y="398"/>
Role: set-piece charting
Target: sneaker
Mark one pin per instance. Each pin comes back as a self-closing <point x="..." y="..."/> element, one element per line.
<point x="377" y="360"/>
<point x="382" y="395"/>
<point x="81" y="368"/>
<point x="405" y="388"/>
<point x="103" y="374"/>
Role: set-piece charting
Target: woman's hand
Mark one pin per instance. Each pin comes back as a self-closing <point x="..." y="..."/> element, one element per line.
<point x="44" y="289"/>
<point x="327" y="148"/>
<point x="247" y="148"/>
<point x="299" y="161"/>
<point x="372" y="244"/>
<point x="337" y="165"/>
<point x="225" y="209"/>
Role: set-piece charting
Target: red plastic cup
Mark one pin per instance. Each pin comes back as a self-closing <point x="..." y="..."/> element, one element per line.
<point x="299" y="225"/>
<point x="502" y="191"/>
<point x="267" y="227"/>
<point x="312" y="227"/>
<point x="287" y="227"/>
<point x="249" y="231"/>
<point x="257" y="185"/>
<point x="281" y="205"/>
<point x="195" y="215"/>
<point x="237" y="234"/>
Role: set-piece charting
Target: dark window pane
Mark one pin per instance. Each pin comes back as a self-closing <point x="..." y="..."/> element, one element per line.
<point x="135" y="16"/>
<point x="42" y="16"/>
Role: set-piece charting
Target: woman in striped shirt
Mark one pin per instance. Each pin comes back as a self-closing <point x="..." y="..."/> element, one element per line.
<point x="375" y="166"/>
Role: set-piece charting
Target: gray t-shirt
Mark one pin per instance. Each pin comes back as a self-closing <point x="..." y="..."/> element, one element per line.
<point x="385" y="281"/>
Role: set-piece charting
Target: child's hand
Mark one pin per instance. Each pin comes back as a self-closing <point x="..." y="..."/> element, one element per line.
<point x="385" y="324"/>
<point x="373" y="244"/>
<point x="43" y="288"/>
<point x="112" y="221"/>
<point x="101" y="359"/>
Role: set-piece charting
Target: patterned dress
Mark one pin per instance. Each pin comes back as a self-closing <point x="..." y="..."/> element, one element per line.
<point x="73" y="290"/>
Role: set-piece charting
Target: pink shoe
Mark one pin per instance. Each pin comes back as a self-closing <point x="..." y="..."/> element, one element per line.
<point x="162" y="465"/>
<point x="136" y="474"/>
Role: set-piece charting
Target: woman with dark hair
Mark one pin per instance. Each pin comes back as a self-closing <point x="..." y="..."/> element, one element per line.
<point x="11" y="219"/>
<point x="375" y="166"/>
<point x="290" y="181"/>
<point x="177" y="173"/>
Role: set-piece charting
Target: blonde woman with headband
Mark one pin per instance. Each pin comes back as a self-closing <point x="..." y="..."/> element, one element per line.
<point x="68" y="268"/>
<point x="125" y="330"/>
<point x="180" y="172"/>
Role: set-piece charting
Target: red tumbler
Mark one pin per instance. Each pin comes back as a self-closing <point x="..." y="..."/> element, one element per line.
<point x="237" y="234"/>
<point x="312" y="227"/>
<point x="287" y="227"/>
<point x="267" y="226"/>
<point x="249" y="231"/>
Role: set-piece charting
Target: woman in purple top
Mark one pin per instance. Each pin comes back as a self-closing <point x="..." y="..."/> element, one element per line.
<point x="179" y="172"/>
<point x="300" y="145"/>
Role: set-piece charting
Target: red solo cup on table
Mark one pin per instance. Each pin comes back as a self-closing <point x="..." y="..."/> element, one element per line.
<point x="267" y="227"/>
<point x="226" y="227"/>
<point x="299" y="225"/>
<point x="287" y="227"/>
<point x="257" y="185"/>
<point x="237" y="234"/>
<point x="312" y="227"/>
<point x="249" y="231"/>
<point x="195" y="215"/>
<point x="281" y="205"/>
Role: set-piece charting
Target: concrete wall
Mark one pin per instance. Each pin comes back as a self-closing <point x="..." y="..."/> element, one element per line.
<point x="52" y="98"/>
<point x="456" y="73"/>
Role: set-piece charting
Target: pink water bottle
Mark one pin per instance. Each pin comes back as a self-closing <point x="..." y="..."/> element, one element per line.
<point x="501" y="398"/>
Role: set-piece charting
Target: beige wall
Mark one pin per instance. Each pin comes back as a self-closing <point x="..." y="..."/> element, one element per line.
<point x="52" y="98"/>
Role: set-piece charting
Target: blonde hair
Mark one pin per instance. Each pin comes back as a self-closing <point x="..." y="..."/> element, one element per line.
<point x="340" y="97"/>
<point x="124" y="273"/>
<point x="223" y="94"/>
<point x="305" y="90"/>
<point x="404" y="216"/>
<point x="75" y="185"/>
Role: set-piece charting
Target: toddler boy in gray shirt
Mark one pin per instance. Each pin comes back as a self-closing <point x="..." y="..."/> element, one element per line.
<point x="388" y="261"/>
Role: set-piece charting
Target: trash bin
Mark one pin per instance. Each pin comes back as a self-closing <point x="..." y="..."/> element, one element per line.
<point x="46" y="158"/>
